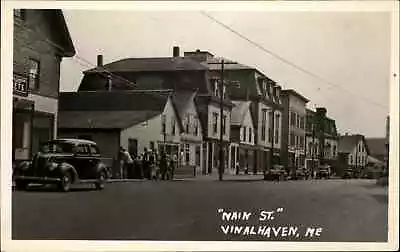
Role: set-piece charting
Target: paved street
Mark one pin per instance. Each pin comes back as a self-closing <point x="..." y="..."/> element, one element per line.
<point x="352" y="210"/>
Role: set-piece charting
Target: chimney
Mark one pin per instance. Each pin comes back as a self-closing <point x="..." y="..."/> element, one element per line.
<point x="100" y="60"/>
<point x="321" y="112"/>
<point x="278" y="91"/>
<point x="176" y="51"/>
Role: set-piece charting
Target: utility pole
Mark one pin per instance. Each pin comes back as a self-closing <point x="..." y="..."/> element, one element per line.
<point x="273" y="137"/>
<point x="222" y="125"/>
<point x="221" y="134"/>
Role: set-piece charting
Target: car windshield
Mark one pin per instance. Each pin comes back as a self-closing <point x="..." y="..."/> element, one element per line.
<point x="57" y="147"/>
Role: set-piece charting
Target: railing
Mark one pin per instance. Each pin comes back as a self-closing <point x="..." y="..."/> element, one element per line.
<point x="20" y="84"/>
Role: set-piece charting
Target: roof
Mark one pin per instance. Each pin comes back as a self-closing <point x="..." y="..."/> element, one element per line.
<point x="202" y="108"/>
<point x="181" y="100"/>
<point x="73" y="140"/>
<point x="151" y="64"/>
<point x="66" y="41"/>
<point x="293" y="92"/>
<point x="239" y="111"/>
<point x="103" y="119"/>
<point x="211" y="64"/>
<point x="347" y="143"/>
<point x="376" y="146"/>
<point x="137" y="100"/>
<point x="373" y="160"/>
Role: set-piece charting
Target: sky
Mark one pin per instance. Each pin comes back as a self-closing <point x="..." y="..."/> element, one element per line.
<point x="350" y="51"/>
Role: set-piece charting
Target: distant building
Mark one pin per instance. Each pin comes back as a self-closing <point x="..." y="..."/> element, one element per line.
<point x="356" y="150"/>
<point x="321" y="140"/>
<point x="243" y="140"/>
<point x="294" y="129"/>
<point x="41" y="41"/>
<point x="245" y="84"/>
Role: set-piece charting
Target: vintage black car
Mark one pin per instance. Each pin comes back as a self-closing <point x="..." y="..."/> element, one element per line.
<point x="277" y="172"/>
<point x="63" y="162"/>
<point x="347" y="174"/>
<point x="323" y="172"/>
<point x="300" y="174"/>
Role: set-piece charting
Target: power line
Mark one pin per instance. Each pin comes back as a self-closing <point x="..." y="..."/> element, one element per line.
<point x="46" y="40"/>
<point x="331" y="84"/>
<point x="49" y="52"/>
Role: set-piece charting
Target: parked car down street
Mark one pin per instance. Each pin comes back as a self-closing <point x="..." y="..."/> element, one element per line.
<point x="63" y="162"/>
<point x="277" y="172"/>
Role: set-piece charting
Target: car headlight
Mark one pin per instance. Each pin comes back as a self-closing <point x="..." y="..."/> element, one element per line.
<point x="51" y="166"/>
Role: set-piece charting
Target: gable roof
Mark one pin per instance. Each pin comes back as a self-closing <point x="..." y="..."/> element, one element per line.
<point x="287" y="92"/>
<point x="133" y="100"/>
<point x="103" y="119"/>
<point x="59" y="22"/>
<point x="376" y="146"/>
<point x="239" y="112"/>
<point x="151" y="64"/>
<point x="348" y="143"/>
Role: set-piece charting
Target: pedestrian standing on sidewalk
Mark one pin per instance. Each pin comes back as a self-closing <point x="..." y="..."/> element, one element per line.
<point x="163" y="165"/>
<point x="127" y="163"/>
<point x="173" y="163"/>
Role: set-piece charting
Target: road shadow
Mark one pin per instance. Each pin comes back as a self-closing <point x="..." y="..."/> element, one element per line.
<point x="54" y="189"/>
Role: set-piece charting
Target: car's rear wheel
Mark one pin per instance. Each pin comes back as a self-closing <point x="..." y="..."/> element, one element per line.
<point x="66" y="181"/>
<point x="21" y="185"/>
<point x="101" y="181"/>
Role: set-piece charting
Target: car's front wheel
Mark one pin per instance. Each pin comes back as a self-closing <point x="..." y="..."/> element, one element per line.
<point x="101" y="181"/>
<point x="65" y="183"/>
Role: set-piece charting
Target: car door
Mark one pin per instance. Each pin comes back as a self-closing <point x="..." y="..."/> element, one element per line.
<point x="93" y="161"/>
<point x="82" y="160"/>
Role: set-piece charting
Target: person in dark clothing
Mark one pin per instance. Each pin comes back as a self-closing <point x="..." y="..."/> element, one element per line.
<point x="146" y="164"/>
<point x="163" y="165"/>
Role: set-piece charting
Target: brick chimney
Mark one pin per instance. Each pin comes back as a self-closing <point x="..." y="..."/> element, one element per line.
<point x="175" y="51"/>
<point x="100" y="60"/>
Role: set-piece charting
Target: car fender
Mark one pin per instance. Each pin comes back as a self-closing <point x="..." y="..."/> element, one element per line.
<point x="65" y="167"/>
<point x="101" y="167"/>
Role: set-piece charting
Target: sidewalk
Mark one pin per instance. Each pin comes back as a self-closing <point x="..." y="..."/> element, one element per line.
<point x="225" y="177"/>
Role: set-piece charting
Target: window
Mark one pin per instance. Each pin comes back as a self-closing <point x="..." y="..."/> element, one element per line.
<point x="270" y="133"/>
<point x="34" y="72"/>
<point x="334" y="151"/>
<point x="302" y="122"/>
<point x="244" y="133"/>
<point x="82" y="149"/>
<point x="187" y="124"/>
<point x="277" y="122"/>
<point x="132" y="146"/>
<point x="163" y="121"/>
<point x="250" y="134"/>
<point x="196" y="127"/>
<point x="187" y="153"/>
<point x="94" y="149"/>
<point x="263" y="123"/>
<point x="351" y="159"/>
<point x="224" y="124"/>
<point x="173" y="129"/>
<point x="301" y="141"/>
<point x="152" y="145"/>
<point x="215" y="122"/>
<point x="292" y="118"/>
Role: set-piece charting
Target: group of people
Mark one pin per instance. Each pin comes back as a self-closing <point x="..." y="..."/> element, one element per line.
<point x="148" y="165"/>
